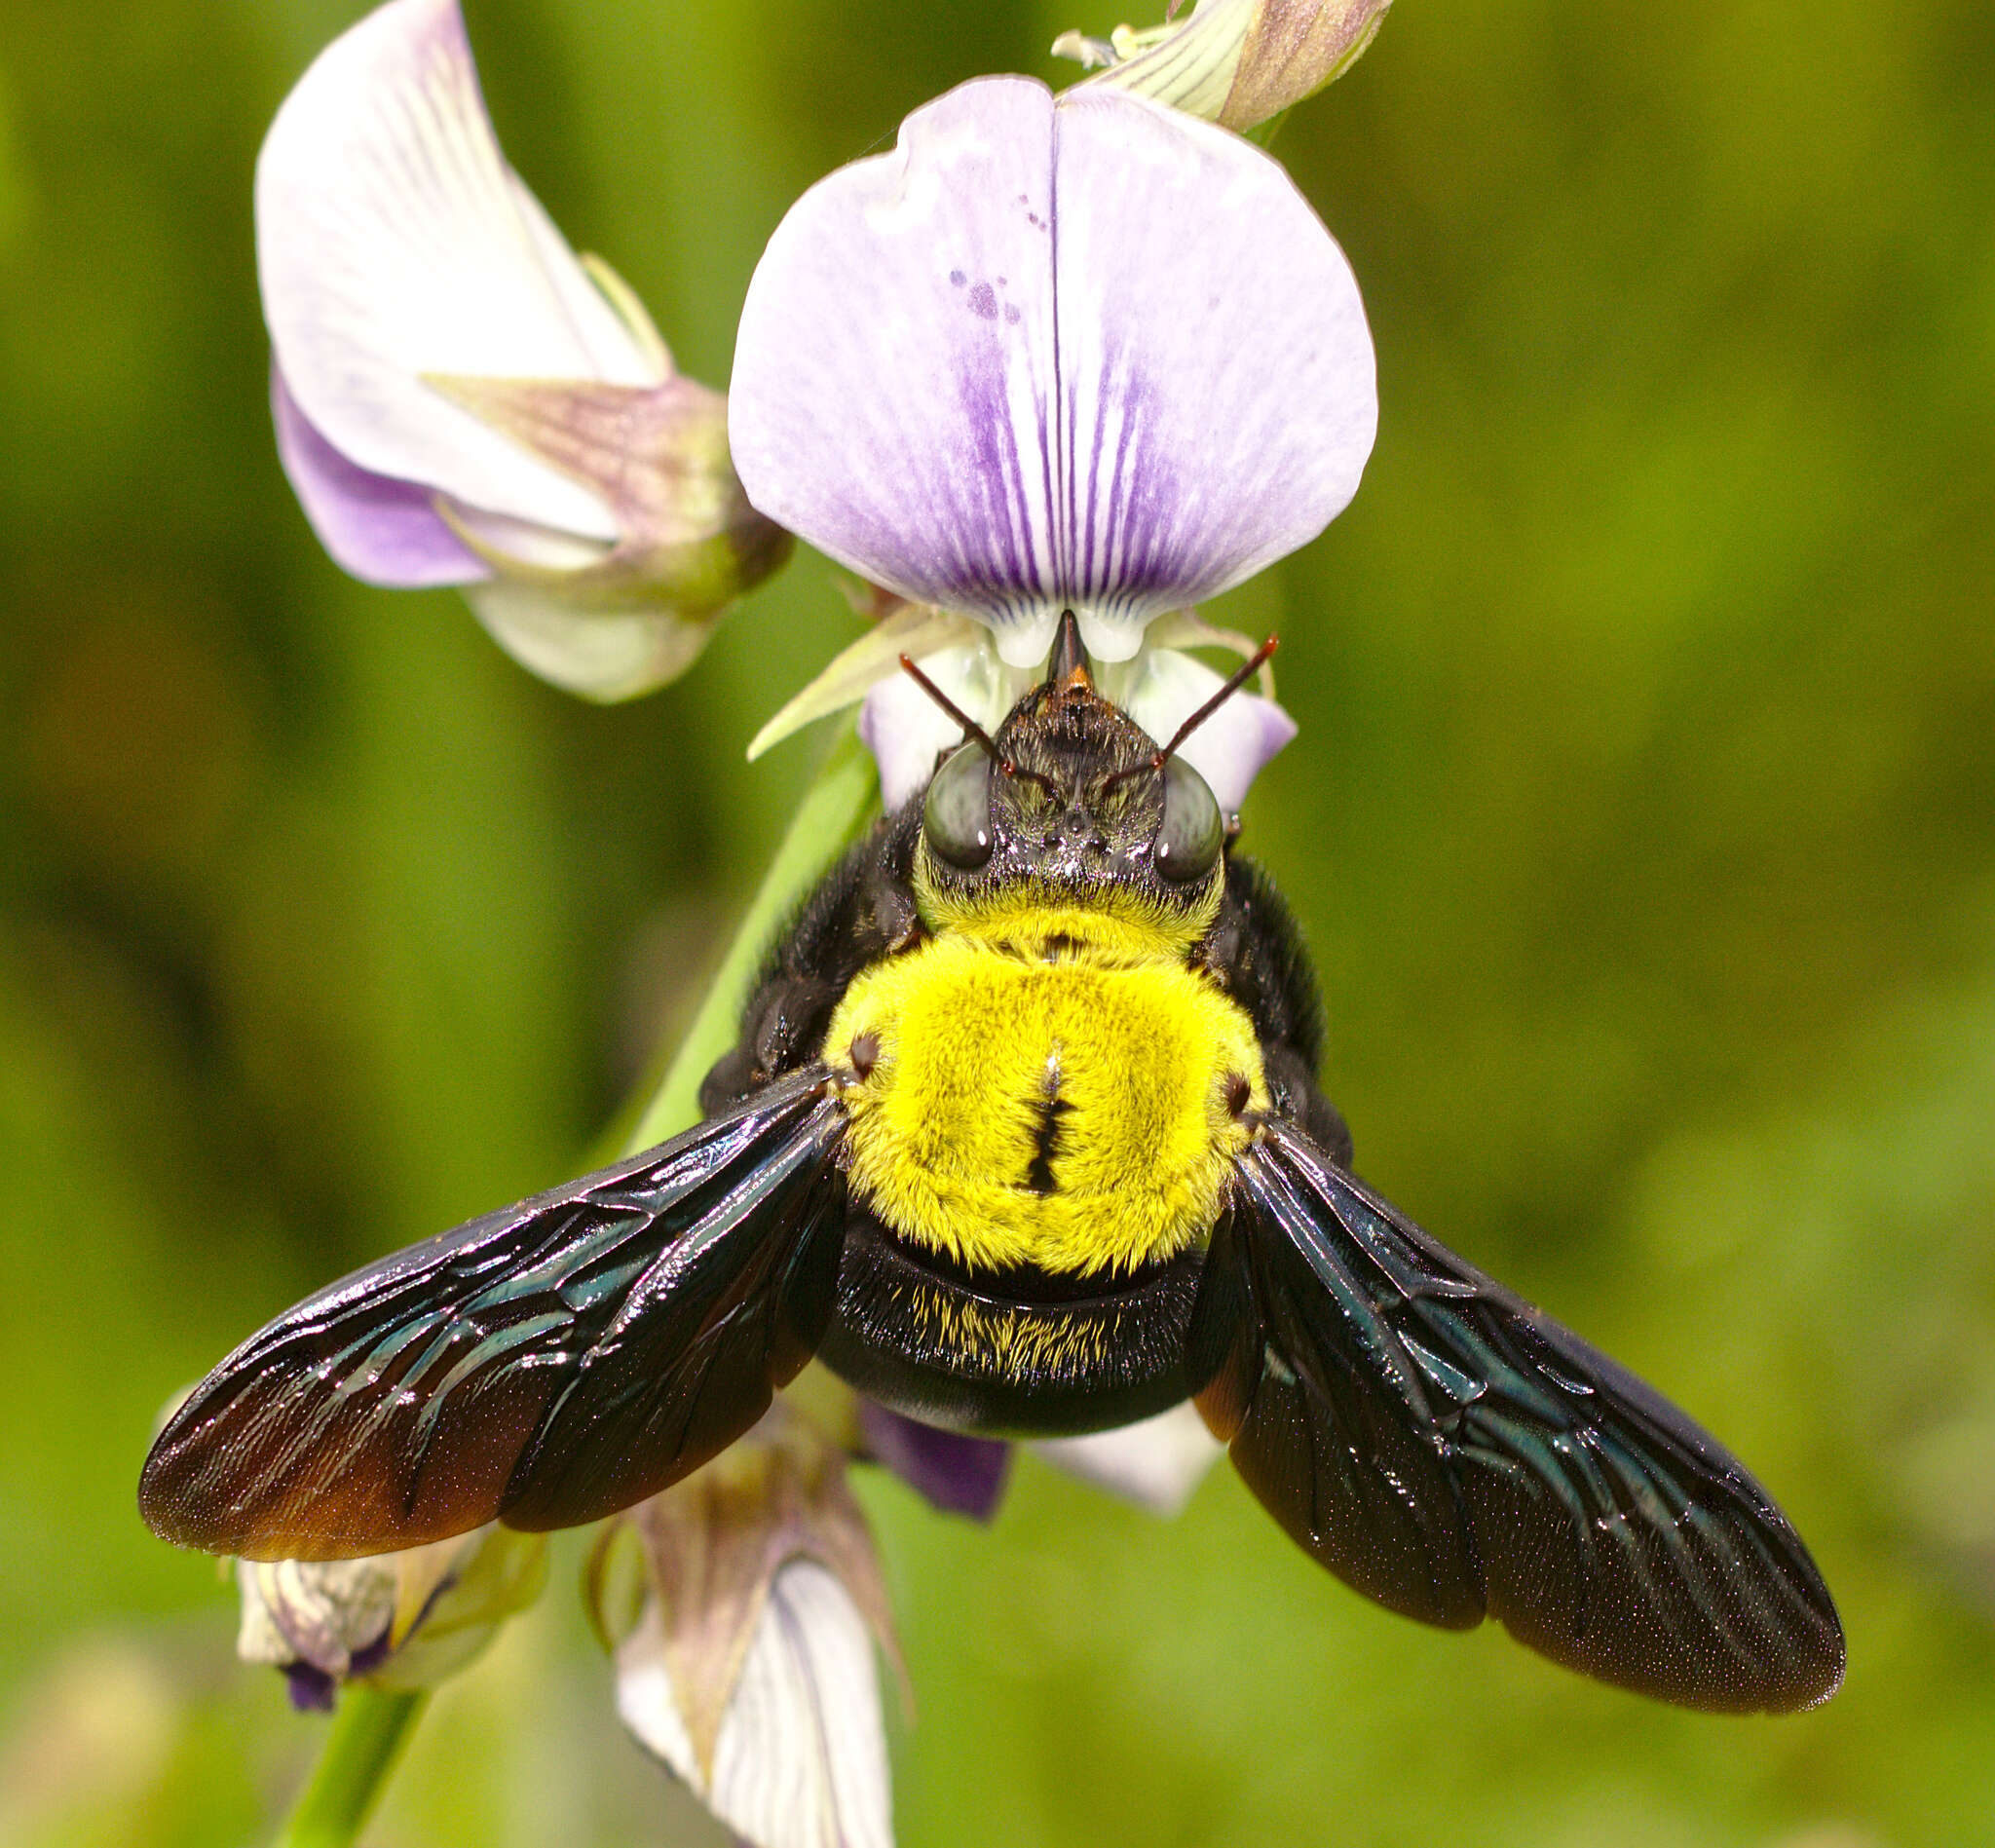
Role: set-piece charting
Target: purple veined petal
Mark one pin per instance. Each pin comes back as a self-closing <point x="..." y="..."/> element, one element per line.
<point x="1092" y="354"/>
<point x="394" y="243"/>
<point x="381" y="530"/>
<point x="959" y="1474"/>
<point x="893" y="368"/>
<point x="1163" y="687"/>
<point x="1155" y="1464"/>
<point x="1219" y="387"/>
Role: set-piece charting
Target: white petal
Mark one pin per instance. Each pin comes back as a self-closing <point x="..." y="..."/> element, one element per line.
<point x="906" y="731"/>
<point x="606" y="654"/>
<point x="1163" y="688"/>
<point x="1097" y="355"/>
<point x="801" y="1760"/>
<point x="394" y="241"/>
<point x="1155" y="1464"/>
<point x="646" y="1703"/>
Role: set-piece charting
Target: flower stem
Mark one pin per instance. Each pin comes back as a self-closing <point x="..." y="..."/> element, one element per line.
<point x="368" y="1733"/>
<point x="833" y="811"/>
<point x="371" y="1726"/>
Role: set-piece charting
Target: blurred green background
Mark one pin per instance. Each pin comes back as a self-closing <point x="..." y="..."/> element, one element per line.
<point x="1642" y="820"/>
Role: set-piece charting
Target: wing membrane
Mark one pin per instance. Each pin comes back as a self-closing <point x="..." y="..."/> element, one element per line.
<point x="543" y="1364"/>
<point x="1452" y="1452"/>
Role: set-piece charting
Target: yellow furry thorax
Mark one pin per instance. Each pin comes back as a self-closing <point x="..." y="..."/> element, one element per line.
<point x="1047" y="1083"/>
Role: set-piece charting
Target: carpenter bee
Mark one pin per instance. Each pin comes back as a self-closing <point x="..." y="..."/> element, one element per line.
<point x="1022" y="1136"/>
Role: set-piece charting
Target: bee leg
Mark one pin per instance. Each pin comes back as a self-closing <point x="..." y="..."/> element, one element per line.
<point x="863" y="911"/>
<point x="1255" y="953"/>
<point x="1295" y="1095"/>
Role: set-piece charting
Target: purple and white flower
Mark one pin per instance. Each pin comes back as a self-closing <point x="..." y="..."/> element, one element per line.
<point x="395" y="1620"/>
<point x="461" y="399"/>
<point x="1077" y="352"/>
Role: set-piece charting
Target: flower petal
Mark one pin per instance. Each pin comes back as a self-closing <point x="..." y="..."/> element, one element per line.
<point x="1236" y="61"/>
<point x="605" y="655"/>
<point x="381" y="530"/>
<point x="392" y="242"/>
<point x="906" y="731"/>
<point x="959" y="1472"/>
<point x="1124" y="418"/>
<point x="802" y="1760"/>
<point x="1214" y="351"/>
<point x="800" y="1757"/>
<point x="1155" y="1464"/>
<point x="1163" y="688"/>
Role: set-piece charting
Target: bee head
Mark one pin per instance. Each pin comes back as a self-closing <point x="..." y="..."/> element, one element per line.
<point x="1072" y="797"/>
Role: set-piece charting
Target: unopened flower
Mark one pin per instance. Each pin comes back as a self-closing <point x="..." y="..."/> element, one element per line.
<point x="745" y="1652"/>
<point x="1236" y="63"/>
<point x="397" y="1620"/>
<point x="460" y="399"/>
<point x="1113" y="366"/>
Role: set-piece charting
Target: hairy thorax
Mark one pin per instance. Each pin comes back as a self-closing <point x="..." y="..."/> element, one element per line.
<point x="1063" y="1092"/>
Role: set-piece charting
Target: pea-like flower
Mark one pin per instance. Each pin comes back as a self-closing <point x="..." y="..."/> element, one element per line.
<point x="461" y="399"/>
<point x="1077" y="352"/>
<point x="397" y="1620"/>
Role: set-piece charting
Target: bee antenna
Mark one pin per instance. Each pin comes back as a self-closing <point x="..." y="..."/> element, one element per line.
<point x="1238" y="679"/>
<point x="973" y="731"/>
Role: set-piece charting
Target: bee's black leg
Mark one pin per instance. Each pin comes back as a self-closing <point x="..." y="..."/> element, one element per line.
<point x="863" y="910"/>
<point x="1292" y="1088"/>
<point x="1257" y="955"/>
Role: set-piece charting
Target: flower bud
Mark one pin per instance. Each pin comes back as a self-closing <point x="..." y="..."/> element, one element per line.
<point x="395" y="1620"/>
<point x="1236" y="63"/>
<point x="744" y="1643"/>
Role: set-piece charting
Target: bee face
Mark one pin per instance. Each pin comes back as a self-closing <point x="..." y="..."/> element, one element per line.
<point x="1073" y="803"/>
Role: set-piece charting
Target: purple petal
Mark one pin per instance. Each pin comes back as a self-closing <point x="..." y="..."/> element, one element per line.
<point x="394" y="243"/>
<point x="942" y="394"/>
<point x="311" y="1689"/>
<point x="959" y="1474"/>
<point x="381" y="530"/>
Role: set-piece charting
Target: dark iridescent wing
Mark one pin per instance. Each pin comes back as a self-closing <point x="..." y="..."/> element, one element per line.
<point x="544" y="1364"/>
<point x="1451" y="1451"/>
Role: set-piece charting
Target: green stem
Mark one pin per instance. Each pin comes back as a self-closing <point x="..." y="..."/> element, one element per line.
<point x="834" y="810"/>
<point x="368" y="1733"/>
<point x="370" y="1727"/>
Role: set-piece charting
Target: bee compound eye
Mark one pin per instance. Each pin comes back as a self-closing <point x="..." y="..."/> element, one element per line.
<point x="1193" y="830"/>
<point x="955" y="818"/>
